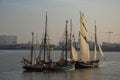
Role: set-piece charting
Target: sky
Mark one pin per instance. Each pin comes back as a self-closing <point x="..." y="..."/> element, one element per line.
<point x="21" y="17"/>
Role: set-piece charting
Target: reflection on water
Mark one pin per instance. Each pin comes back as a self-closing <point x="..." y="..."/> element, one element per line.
<point x="45" y="75"/>
<point x="85" y="74"/>
<point x="80" y="74"/>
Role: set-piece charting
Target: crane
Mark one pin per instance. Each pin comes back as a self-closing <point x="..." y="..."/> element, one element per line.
<point x="118" y="35"/>
<point x="109" y="35"/>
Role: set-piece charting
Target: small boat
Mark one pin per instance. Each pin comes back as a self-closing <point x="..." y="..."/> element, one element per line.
<point x="84" y="60"/>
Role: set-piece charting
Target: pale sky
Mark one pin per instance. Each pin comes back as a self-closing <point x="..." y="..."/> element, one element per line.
<point x="21" y="17"/>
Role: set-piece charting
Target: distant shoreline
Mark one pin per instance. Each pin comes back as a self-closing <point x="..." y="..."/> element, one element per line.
<point x="104" y="50"/>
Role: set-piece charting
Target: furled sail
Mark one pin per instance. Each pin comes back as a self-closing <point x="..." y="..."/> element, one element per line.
<point x="84" y="46"/>
<point x="74" y="54"/>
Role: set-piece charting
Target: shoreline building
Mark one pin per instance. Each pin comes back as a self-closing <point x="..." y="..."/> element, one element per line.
<point x="8" y="39"/>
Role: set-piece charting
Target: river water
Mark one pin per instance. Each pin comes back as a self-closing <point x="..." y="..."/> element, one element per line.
<point x="11" y="68"/>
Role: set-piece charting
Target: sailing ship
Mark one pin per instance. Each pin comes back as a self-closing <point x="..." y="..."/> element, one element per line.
<point x="39" y="65"/>
<point x="65" y="64"/>
<point x="84" y="60"/>
<point x="30" y="65"/>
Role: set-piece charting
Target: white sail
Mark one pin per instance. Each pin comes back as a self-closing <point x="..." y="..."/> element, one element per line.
<point x="84" y="49"/>
<point x="74" y="54"/>
<point x="83" y="23"/>
<point x="84" y="46"/>
<point x="100" y="51"/>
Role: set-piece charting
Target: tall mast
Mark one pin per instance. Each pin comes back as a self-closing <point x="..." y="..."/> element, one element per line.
<point x="95" y="33"/>
<point x="45" y="36"/>
<point x="40" y="50"/>
<point x="32" y="47"/>
<point x="49" y="57"/>
<point x="66" y="41"/>
<point x="70" y="38"/>
<point x="95" y="43"/>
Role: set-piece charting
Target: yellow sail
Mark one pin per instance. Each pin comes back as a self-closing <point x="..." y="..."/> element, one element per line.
<point x="83" y="24"/>
<point x="84" y="46"/>
<point x="84" y="50"/>
<point x="74" y="54"/>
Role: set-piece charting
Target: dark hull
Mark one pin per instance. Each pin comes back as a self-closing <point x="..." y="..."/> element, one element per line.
<point x="90" y="64"/>
<point x="33" y="68"/>
<point x="40" y="68"/>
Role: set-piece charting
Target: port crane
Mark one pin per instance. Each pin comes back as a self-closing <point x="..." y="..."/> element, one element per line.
<point x="118" y="35"/>
<point x="109" y="35"/>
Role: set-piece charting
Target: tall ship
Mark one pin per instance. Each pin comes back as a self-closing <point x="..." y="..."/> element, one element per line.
<point x="66" y="63"/>
<point x="84" y="58"/>
<point x="38" y="63"/>
<point x="44" y="62"/>
<point x="29" y="64"/>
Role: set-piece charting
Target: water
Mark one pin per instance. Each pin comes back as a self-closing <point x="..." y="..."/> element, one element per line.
<point x="11" y="68"/>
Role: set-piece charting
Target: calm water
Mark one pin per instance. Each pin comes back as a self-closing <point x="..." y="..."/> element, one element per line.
<point x="11" y="68"/>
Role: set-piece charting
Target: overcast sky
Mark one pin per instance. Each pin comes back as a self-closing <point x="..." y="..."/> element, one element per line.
<point x="21" y="17"/>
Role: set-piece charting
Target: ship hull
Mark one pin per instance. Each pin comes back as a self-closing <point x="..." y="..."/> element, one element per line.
<point x="66" y="68"/>
<point x="90" y="64"/>
<point x="41" y="68"/>
<point x="36" y="68"/>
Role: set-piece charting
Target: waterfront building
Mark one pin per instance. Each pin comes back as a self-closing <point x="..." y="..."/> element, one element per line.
<point x="8" y="39"/>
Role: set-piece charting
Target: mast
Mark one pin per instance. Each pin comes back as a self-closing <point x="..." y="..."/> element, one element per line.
<point x="95" y="43"/>
<point x="95" y="33"/>
<point x="66" y="41"/>
<point x="45" y="35"/>
<point x="70" y="38"/>
<point x="40" y="50"/>
<point x="41" y="47"/>
<point x="32" y="47"/>
<point x="49" y="50"/>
